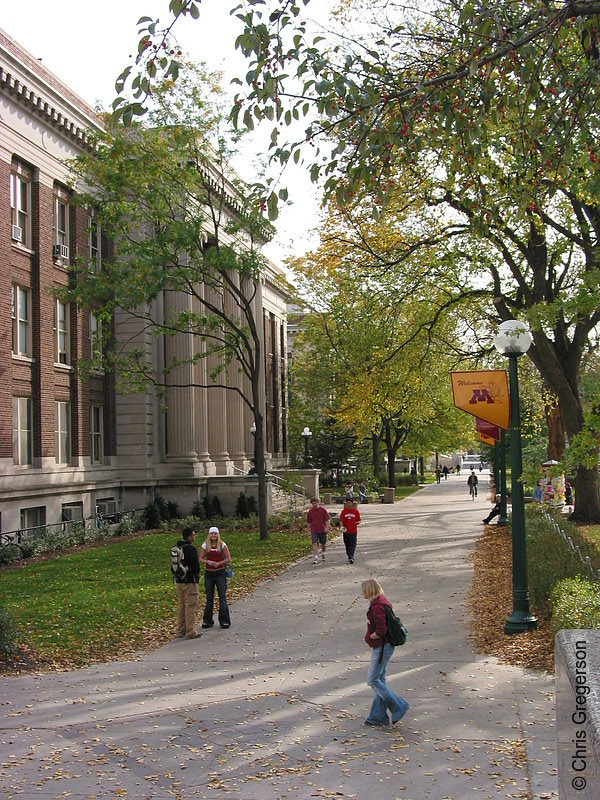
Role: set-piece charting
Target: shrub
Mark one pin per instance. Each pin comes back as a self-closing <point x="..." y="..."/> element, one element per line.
<point x="9" y="553"/>
<point x="576" y="604"/>
<point x="252" y="510"/>
<point x="241" y="507"/>
<point x="172" y="510"/>
<point x="9" y="633"/>
<point x="212" y="507"/>
<point x="162" y="507"/>
<point x="198" y="509"/>
<point x="151" y="515"/>
<point x="407" y="480"/>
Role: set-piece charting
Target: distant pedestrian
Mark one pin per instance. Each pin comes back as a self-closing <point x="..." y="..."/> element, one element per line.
<point x="350" y="520"/>
<point x="568" y="494"/>
<point x="538" y="493"/>
<point x="362" y="492"/>
<point x="317" y="525"/>
<point x="214" y="554"/>
<point x="495" y="512"/>
<point x="187" y="587"/>
<point x="445" y="470"/>
<point x="349" y="492"/>
<point x="387" y="706"/>
<point x="472" y="482"/>
<point x="438" y="473"/>
<point x="458" y="469"/>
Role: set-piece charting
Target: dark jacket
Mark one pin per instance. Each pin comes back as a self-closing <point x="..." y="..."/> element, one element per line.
<point x="376" y="622"/>
<point x="190" y="554"/>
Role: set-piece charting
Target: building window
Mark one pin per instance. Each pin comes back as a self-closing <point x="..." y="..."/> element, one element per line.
<point x="33" y="517"/>
<point x="62" y="436"/>
<point x="22" y="438"/>
<point x="97" y="434"/>
<point x="94" y="242"/>
<point x="95" y="336"/>
<point x="71" y="512"/>
<point x="60" y="223"/>
<point x="21" y="318"/>
<point x="61" y="333"/>
<point x="20" y="204"/>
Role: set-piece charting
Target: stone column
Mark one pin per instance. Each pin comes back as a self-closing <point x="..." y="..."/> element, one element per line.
<point x="235" y="403"/>
<point x="217" y="408"/>
<point x="181" y="438"/>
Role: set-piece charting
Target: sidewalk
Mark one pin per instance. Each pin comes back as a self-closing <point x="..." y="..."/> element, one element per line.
<point x="274" y="706"/>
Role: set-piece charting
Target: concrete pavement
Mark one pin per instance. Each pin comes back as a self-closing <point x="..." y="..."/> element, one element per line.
<point x="274" y="706"/>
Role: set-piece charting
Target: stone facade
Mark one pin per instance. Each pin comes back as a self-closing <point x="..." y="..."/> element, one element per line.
<point x="67" y="445"/>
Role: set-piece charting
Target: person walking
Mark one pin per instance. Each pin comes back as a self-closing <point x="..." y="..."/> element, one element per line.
<point x="349" y="521"/>
<point x="445" y="470"/>
<point x="387" y="706"/>
<point x="214" y="554"/>
<point x="438" y="473"/>
<point x="362" y="492"/>
<point x="187" y="587"/>
<point x="472" y="482"/>
<point x="317" y="525"/>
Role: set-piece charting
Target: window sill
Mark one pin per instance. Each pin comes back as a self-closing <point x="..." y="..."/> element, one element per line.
<point x="22" y="359"/>
<point x="22" y="248"/>
<point x="63" y="367"/>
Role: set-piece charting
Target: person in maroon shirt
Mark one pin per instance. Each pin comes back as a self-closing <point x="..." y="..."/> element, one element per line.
<point x="387" y="706"/>
<point x="317" y="525"/>
<point x="350" y="520"/>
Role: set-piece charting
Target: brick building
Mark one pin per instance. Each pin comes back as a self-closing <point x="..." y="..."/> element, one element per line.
<point x="69" y="446"/>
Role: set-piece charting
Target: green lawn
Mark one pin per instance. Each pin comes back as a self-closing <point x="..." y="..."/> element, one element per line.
<point x="110" y="600"/>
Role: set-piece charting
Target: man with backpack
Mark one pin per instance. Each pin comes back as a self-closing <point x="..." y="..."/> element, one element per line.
<point x="185" y="567"/>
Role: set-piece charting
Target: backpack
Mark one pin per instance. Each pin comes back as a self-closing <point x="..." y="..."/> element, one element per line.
<point x="396" y="632"/>
<point x="178" y="565"/>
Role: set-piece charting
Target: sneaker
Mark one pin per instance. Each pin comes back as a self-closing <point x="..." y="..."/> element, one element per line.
<point x="351" y="561"/>
<point x="226" y="624"/>
<point x="323" y="556"/>
<point x="207" y="624"/>
<point x="316" y="560"/>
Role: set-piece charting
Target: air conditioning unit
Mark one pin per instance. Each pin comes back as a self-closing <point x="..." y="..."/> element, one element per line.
<point x="17" y="233"/>
<point x="60" y="251"/>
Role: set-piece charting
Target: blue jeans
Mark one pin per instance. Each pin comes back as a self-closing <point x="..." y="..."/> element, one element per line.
<point x="218" y="579"/>
<point x="384" y="697"/>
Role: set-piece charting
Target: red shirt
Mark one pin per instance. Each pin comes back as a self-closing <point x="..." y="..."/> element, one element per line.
<point x="349" y="518"/>
<point x="317" y="519"/>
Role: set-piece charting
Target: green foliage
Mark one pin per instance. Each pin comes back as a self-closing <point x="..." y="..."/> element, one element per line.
<point x="212" y="507"/>
<point x="9" y="553"/>
<point x="576" y="604"/>
<point x="9" y="633"/>
<point x="151" y="516"/>
<point x="198" y="510"/>
<point x="241" y="506"/>
<point x="550" y="559"/>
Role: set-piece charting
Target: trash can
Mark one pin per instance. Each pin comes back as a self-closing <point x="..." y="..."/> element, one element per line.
<point x="388" y="494"/>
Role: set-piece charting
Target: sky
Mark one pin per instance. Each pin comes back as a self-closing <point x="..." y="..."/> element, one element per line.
<point x="88" y="44"/>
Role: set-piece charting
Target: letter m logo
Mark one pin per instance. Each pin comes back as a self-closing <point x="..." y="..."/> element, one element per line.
<point x="481" y="396"/>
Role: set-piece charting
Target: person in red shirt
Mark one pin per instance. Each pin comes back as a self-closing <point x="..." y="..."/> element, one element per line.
<point x="349" y="521"/>
<point x="317" y="525"/>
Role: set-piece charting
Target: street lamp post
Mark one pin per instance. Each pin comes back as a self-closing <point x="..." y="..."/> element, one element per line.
<point x="252" y="470"/>
<point x="513" y="339"/>
<point x="306" y="433"/>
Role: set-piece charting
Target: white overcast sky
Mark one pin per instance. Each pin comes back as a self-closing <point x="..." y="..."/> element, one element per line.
<point x="88" y="44"/>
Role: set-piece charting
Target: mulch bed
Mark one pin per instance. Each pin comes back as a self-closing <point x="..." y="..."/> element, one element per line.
<point x="490" y="602"/>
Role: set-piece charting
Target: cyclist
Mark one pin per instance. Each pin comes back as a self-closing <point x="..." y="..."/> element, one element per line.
<point x="472" y="482"/>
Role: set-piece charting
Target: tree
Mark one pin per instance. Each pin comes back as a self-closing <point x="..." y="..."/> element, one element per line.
<point x="368" y="337"/>
<point x="187" y="265"/>
<point x="499" y="104"/>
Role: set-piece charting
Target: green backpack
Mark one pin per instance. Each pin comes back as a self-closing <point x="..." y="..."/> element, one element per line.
<point x="396" y="632"/>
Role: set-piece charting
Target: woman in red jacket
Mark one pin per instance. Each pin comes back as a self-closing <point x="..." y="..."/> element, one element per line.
<point x="387" y="706"/>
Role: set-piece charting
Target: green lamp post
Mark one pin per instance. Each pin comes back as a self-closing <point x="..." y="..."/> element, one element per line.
<point x="513" y="339"/>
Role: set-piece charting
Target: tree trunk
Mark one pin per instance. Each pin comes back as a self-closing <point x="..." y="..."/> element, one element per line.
<point x="262" y="479"/>
<point x="375" y="441"/>
<point x="391" y="456"/>
<point x="556" y="431"/>
<point x="587" y="496"/>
